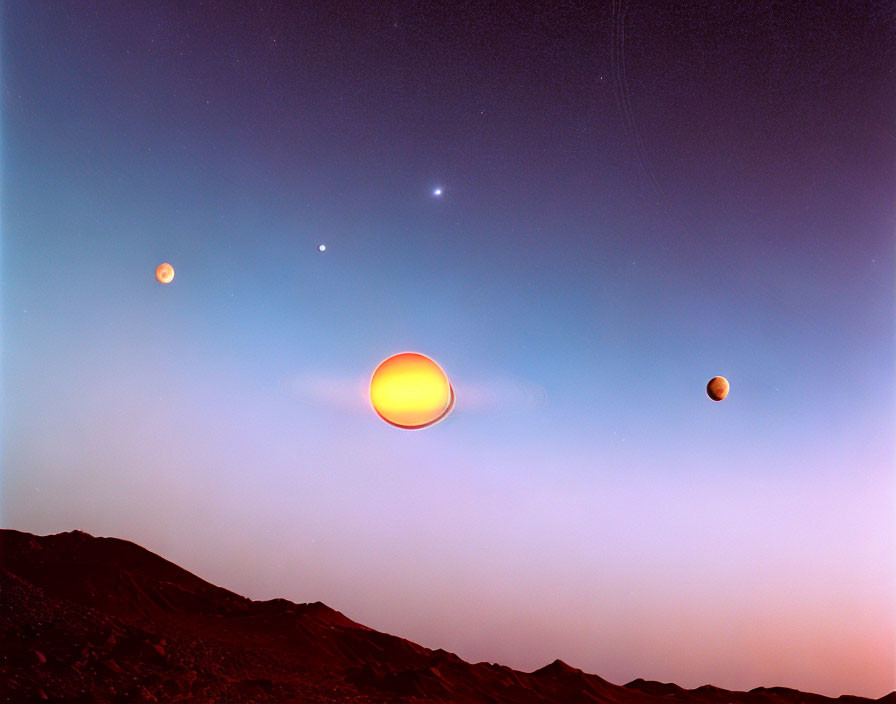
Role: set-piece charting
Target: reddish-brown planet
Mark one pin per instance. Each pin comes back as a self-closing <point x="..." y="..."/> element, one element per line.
<point x="164" y="273"/>
<point x="718" y="388"/>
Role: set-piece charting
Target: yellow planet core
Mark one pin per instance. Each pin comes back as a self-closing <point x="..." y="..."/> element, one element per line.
<point x="410" y="391"/>
<point x="164" y="273"/>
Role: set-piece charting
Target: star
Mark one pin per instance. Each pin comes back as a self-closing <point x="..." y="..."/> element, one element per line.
<point x="322" y="248"/>
<point x="437" y="192"/>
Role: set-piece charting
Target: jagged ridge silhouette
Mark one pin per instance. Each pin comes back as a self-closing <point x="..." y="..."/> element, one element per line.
<point x="85" y="619"/>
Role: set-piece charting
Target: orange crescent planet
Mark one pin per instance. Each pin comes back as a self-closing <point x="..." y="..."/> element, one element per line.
<point x="164" y="273"/>
<point x="410" y="391"/>
<point x="718" y="388"/>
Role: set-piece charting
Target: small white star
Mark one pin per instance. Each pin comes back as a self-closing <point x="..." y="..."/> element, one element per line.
<point x="437" y="192"/>
<point x="322" y="248"/>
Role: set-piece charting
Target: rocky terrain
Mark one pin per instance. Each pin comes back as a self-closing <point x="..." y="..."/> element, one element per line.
<point x="85" y="619"/>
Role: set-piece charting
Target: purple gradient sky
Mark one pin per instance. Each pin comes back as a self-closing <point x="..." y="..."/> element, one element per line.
<point x="604" y="246"/>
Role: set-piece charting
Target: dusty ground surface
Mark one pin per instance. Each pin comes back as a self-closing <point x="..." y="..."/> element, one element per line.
<point x="85" y="619"/>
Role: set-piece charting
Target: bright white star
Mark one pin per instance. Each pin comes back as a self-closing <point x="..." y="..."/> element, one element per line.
<point x="437" y="192"/>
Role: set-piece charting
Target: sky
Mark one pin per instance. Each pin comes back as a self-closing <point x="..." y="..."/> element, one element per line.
<point x="635" y="197"/>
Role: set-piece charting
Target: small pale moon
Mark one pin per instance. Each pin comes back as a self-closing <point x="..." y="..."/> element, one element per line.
<point x="164" y="273"/>
<point x="718" y="388"/>
<point x="410" y="391"/>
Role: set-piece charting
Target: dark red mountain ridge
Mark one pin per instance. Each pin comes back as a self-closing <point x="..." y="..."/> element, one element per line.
<point x="85" y="619"/>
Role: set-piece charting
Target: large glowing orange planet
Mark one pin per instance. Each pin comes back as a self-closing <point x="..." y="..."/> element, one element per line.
<point x="718" y="388"/>
<point x="164" y="273"/>
<point x="410" y="391"/>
